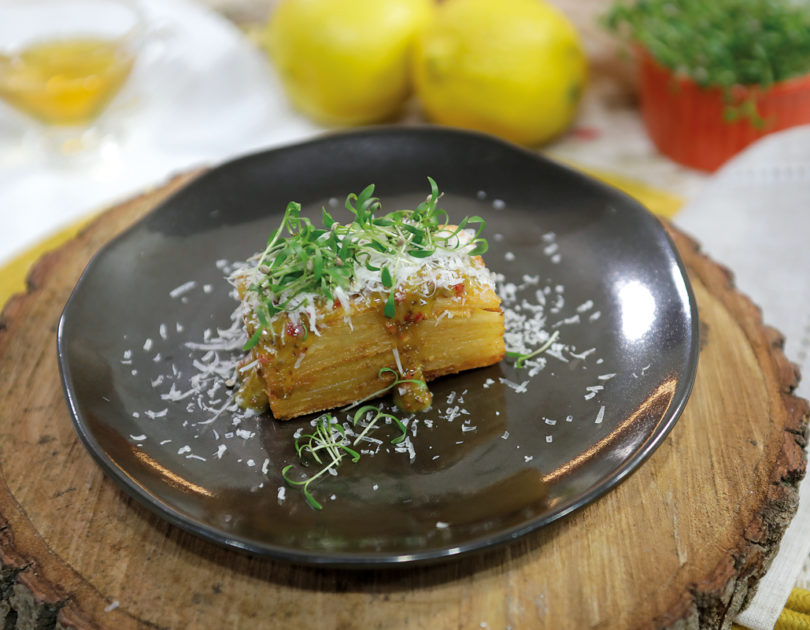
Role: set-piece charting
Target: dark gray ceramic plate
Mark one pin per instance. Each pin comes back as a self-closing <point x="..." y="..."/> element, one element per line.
<point x="502" y="453"/>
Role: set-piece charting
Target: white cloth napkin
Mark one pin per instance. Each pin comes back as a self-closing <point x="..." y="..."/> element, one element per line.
<point x="200" y="94"/>
<point x="754" y="216"/>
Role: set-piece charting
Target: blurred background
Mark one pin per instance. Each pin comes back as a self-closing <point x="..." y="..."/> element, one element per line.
<point x="93" y="108"/>
<point x="102" y="98"/>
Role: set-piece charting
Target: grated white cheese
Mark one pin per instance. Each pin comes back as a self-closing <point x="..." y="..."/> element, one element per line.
<point x="442" y="315"/>
<point x="398" y="362"/>
<point x="519" y="388"/>
<point x="592" y="391"/>
<point x="182" y="289"/>
<point x="451" y="413"/>
<point x="444" y="268"/>
<point x="584" y="354"/>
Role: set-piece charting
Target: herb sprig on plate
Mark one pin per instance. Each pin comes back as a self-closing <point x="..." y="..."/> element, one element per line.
<point x="328" y="445"/>
<point x="301" y="258"/>
<point x="521" y="358"/>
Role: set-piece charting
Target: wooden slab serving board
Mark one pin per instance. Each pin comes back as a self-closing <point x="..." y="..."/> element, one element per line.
<point x="681" y="543"/>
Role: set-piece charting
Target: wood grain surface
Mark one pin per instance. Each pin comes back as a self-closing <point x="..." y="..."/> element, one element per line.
<point x="680" y="544"/>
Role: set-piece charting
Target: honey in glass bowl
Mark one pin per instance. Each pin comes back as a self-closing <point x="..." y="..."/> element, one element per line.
<point x="65" y="81"/>
<point x="63" y="61"/>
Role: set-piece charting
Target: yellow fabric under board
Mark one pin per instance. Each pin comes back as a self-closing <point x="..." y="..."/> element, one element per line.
<point x="13" y="274"/>
<point x="660" y="202"/>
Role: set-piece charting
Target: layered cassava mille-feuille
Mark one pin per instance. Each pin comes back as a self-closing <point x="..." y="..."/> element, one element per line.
<point x="347" y="311"/>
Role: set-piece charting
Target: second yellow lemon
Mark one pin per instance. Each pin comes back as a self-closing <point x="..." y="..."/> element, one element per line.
<point x="346" y="61"/>
<point x="514" y="68"/>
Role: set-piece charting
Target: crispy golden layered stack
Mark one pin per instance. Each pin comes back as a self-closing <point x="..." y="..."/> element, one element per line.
<point x="303" y="372"/>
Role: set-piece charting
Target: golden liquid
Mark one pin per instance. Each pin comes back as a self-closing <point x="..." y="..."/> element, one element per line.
<point x="66" y="81"/>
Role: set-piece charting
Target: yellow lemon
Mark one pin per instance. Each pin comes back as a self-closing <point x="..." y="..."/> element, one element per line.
<point x="346" y="62"/>
<point x="514" y="68"/>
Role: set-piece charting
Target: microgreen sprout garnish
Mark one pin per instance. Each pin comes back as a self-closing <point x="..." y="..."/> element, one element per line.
<point x="522" y="358"/>
<point x="329" y="444"/>
<point x="398" y="380"/>
<point x="371" y="410"/>
<point x="723" y="43"/>
<point x="302" y="260"/>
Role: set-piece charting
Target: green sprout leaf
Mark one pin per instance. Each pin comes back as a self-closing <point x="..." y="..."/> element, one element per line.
<point x="385" y="276"/>
<point x="390" y="306"/>
<point x="328" y="445"/>
<point x="522" y="358"/>
<point x="328" y="221"/>
<point x="254" y="339"/>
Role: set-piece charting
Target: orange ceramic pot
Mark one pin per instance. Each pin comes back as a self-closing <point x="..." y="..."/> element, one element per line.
<point x="687" y="122"/>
